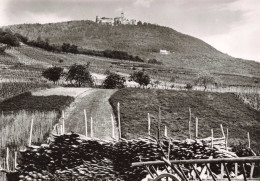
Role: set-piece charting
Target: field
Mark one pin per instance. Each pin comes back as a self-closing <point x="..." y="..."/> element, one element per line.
<point x="212" y="109"/>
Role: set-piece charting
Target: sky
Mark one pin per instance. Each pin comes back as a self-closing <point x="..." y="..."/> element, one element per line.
<point x="231" y="26"/>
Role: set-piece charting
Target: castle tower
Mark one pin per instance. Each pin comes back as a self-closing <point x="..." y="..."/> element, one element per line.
<point x="122" y="15"/>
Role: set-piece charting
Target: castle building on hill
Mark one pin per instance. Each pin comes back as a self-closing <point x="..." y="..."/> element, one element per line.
<point x="121" y="20"/>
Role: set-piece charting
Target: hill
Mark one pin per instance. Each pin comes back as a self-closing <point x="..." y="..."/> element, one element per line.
<point x="144" y="40"/>
<point x="212" y="109"/>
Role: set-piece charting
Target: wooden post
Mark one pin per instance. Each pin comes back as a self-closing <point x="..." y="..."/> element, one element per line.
<point x="189" y="123"/>
<point x="149" y="124"/>
<point x="222" y="130"/>
<point x="252" y="170"/>
<point x="227" y="140"/>
<point x="165" y="131"/>
<point x="7" y="159"/>
<point x="159" y="123"/>
<point x="86" y="122"/>
<point x="236" y="170"/>
<point x="30" y="140"/>
<point x="15" y="160"/>
<point x="197" y="129"/>
<point x="222" y="170"/>
<point x="61" y="130"/>
<point x="63" y="122"/>
<point x="91" y="128"/>
<point x="113" y="126"/>
<point x="212" y="137"/>
<point x="249" y="143"/>
<point x="119" y="121"/>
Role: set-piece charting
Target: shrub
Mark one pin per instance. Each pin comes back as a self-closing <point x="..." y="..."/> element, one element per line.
<point x="7" y="37"/>
<point x="114" y="81"/>
<point x="141" y="78"/>
<point x="188" y="86"/>
<point x="205" y="79"/>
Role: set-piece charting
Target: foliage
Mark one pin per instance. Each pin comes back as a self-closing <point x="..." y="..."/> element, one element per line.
<point x="79" y="75"/>
<point x="21" y="37"/>
<point x="205" y="79"/>
<point x="141" y="78"/>
<point x="53" y="74"/>
<point x="66" y="47"/>
<point x="2" y="48"/>
<point x="188" y="86"/>
<point x="154" y="61"/>
<point x="114" y="81"/>
<point x="7" y="37"/>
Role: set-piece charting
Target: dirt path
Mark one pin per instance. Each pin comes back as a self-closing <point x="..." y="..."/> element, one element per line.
<point x="95" y="101"/>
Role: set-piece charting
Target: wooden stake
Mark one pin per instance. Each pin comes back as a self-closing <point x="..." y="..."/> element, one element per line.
<point x="63" y="122"/>
<point x="61" y="130"/>
<point x="30" y="140"/>
<point x="159" y="123"/>
<point x="227" y="140"/>
<point x="222" y="130"/>
<point x="113" y="126"/>
<point x="249" y="143"/>
<point x="15" y="160"/>
<point x="7" y="159"/>
<point x="119" y="121"/>
<point x="236" y="170"/>
<point x="197" y="129"/>
<point x="189" y="123"/>
<point x="86" y="122"/>
<point x="149" y="124"/>
<point x="212" y="136"/>
<point x="165" y="131"/>
<point x="91" y="128"/>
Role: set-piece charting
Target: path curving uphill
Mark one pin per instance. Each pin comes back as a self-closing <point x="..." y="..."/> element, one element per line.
<point x="97" y="106"/>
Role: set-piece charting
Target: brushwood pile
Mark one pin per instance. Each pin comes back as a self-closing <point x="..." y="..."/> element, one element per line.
<point x="75" y="157"/>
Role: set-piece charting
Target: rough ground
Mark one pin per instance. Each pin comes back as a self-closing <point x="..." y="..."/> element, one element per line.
<point x="95" y="101"/>
<point x="212" y="109"/>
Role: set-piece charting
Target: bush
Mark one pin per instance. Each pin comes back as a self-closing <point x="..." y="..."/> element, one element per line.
<point x="7" y="37"/>
<point x="141" y="78"/>
<point x="188" y="86"/>
<point x="53" y="74"/>
<point x="154" y="61"/>
<point x="114" y="81"/>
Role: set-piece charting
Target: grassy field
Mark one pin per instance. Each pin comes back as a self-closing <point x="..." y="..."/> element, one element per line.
<point x="16" y="114"/>
<point x="212" y="109"/>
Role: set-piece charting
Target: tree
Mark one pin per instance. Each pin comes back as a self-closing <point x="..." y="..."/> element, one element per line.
<point x="114" y="81"/>
<point x="9" y="38"/>
<point x="205" y="79"/>
<point x="141" y="78"/>
<point x="139" y="23"/>
<point x="53" y="73"/>
<point x="79" y="75"/>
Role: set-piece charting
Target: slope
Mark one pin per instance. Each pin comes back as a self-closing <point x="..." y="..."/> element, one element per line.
<point x="212" y="109"/>
<point x="145" y="41"/>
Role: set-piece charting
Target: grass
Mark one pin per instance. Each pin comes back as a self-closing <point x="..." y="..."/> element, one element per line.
<point x="15" y="130"/>
<point x="212" y="109"/>
<point x="27" y="101"/>
<point x="10" y="89"/>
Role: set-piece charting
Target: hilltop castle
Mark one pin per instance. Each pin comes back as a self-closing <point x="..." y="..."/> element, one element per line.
<point x="116" y="21"/>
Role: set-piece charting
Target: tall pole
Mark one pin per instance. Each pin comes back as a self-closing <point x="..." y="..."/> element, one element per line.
<point x="30" y="140"/>
<point x="249" y="142"/>
<point x="86" y="122"/>
<point x="149" y="124"/>
<point x="189" y="122"/>
<point x="113" y="126"/>
<point x="227" y="140"/>
<point x="197" y="129"/>
<point x="165" y="131"/>
<point x="119" y="121"/>
<point x="91" y="128"/>
<point x="159" y="123"/>
<point x="63" y="122"/>
<point x="7" y="159"/>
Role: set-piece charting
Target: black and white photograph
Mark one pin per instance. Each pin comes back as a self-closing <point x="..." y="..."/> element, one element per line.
<point x="129" y="90"/>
